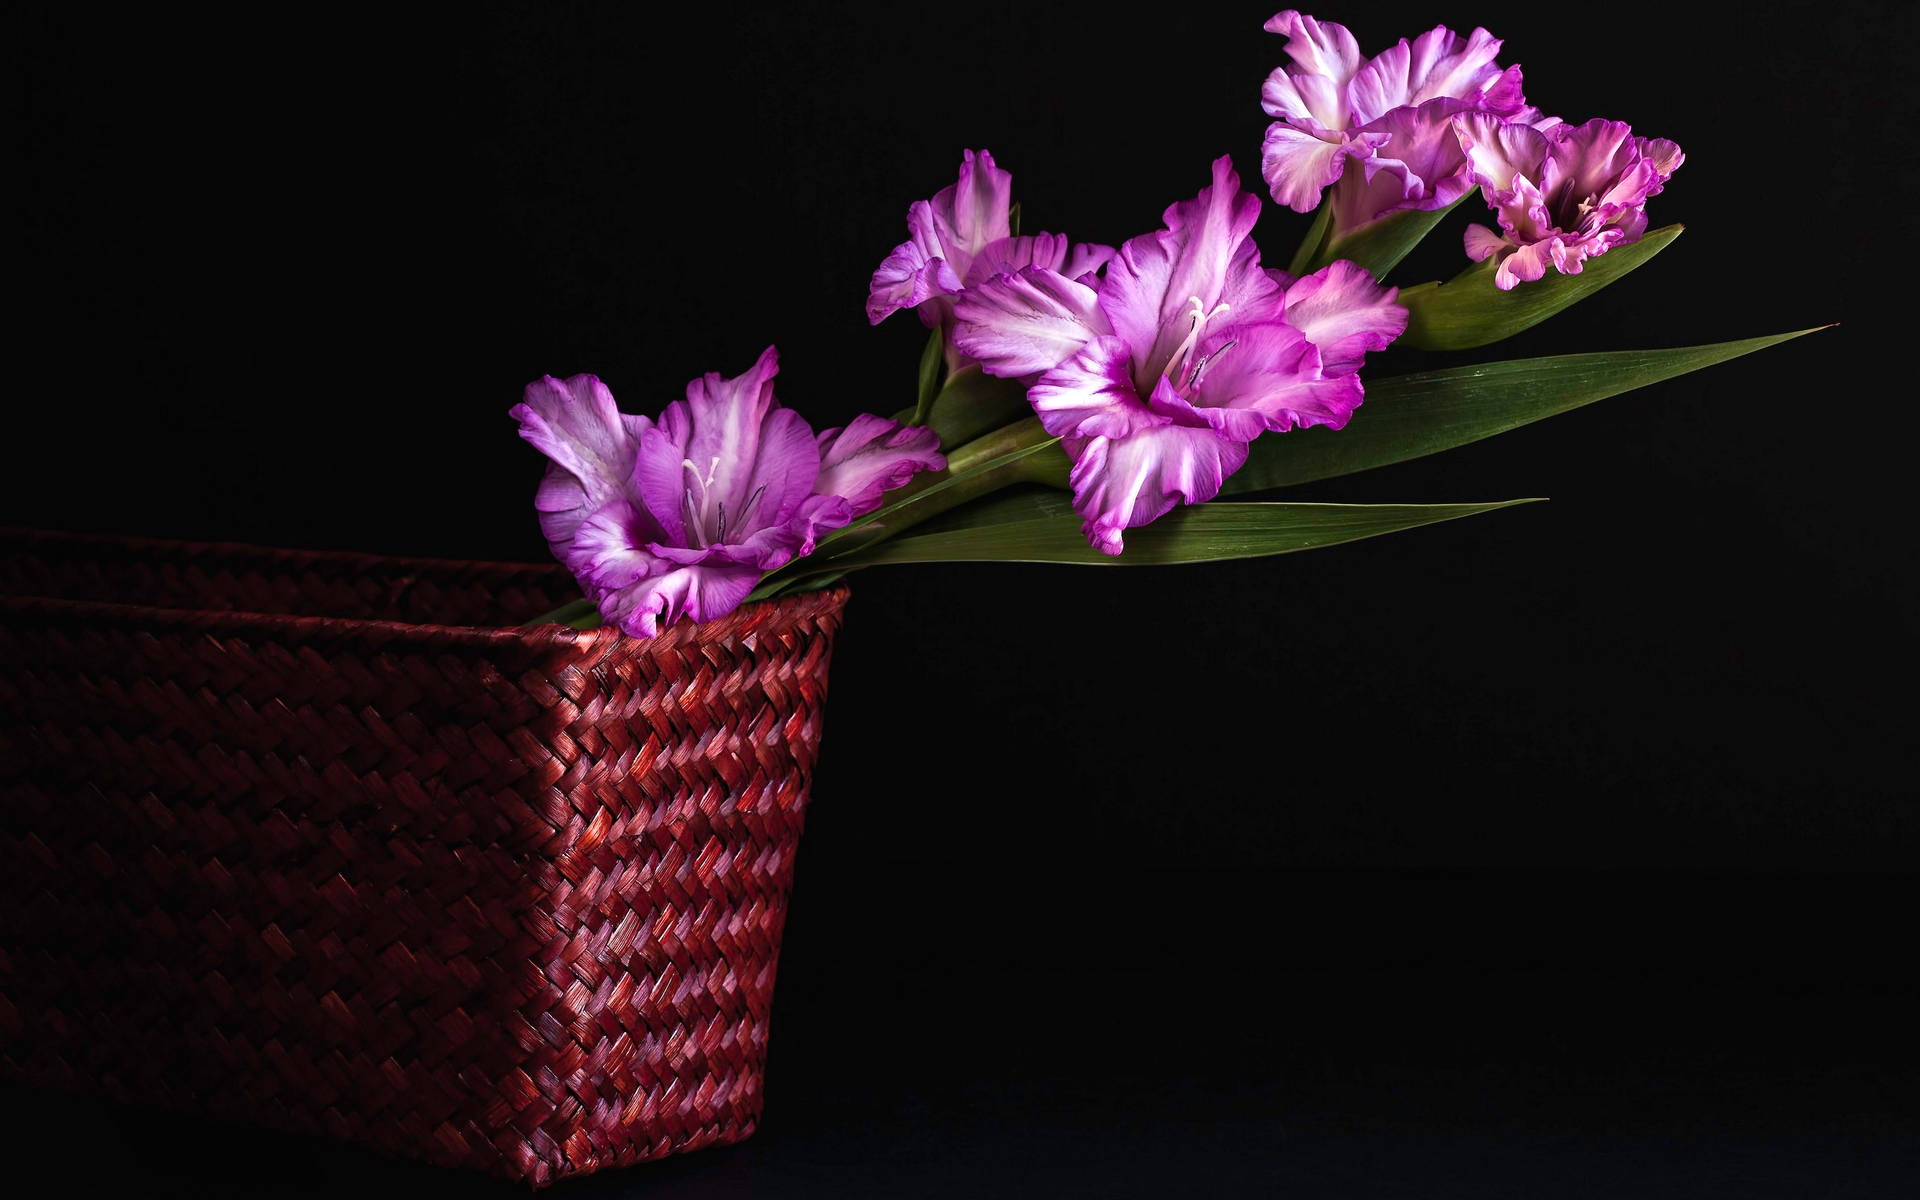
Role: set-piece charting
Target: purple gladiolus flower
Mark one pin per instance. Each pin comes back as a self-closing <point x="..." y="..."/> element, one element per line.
<point x="681" y="516"/>
<point x="1157" y="380"/>
<point x="962" y="237"/>
<point x="1377" y="130"/>
<point x="1562" y="193"/>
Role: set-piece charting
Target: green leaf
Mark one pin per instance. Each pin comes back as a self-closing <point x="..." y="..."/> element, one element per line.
<point x="1013" y="219"/>
<point x="1380" y="246"/>
<point x="1468" y="311"/>
<point x="786" y="586"/>
<point x="1410" y="416"/>
<point x="1008" y="505"/>
<point x="933" y="362"/>
<point x="1203" y="533"/>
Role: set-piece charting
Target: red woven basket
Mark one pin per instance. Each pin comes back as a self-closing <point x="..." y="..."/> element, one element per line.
<point x="492" y="897"/>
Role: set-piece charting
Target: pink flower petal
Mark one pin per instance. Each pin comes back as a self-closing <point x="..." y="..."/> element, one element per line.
<point x="1026" y="323"/>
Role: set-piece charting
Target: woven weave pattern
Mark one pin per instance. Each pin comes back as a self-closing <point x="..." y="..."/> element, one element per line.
<point x="496" y="898"/>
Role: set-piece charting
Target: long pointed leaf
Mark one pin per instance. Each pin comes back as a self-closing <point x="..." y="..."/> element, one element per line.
<point x="1410" y="416"/>
<point x="1002" y="508"/>
<point x="1203" y="533"/>
<point x="1468" y="311"/>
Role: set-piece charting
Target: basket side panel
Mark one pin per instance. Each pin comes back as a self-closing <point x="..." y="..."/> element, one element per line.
<point x="272" y="880"/>
<point x="679" y="796"/>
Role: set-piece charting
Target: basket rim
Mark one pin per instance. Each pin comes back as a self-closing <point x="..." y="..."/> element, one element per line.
<point x="758" y="614"/>
<point x="20" y="536"/>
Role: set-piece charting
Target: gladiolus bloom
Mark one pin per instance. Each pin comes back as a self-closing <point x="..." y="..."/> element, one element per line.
<point x="1562" y="193"/>
<point x="683" y="515"/>
<point x="1377" y="130"/>
<point x="1157" y="380"/>
<point x="963" y="237"/>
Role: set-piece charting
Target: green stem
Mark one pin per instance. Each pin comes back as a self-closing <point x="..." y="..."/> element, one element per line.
<point x="1316" y="240"/>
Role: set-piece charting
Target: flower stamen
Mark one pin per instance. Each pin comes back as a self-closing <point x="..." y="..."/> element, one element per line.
<point x="747" y="512"/>
<point x="1200" y="368"/>
<point x="696" y="509"/>
<point x="1200" y="317"/>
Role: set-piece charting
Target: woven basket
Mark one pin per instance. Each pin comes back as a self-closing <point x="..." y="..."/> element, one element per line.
<point x="491" y="897"/>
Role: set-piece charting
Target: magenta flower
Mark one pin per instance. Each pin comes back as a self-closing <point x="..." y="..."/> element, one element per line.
<point x="1157" y="380"/>
<point x="962" y="237"/>
<point x="1387" y="117"/>
<point x="1562" y="193"/>
<point x="682" y="516"/>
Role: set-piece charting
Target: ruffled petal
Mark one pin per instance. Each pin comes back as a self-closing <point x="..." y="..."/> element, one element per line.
<point x="1483" y="243"/>
<point x="1049" y="251"/>
<point x="915" y="272"/>
<point x="726" y="416"/>
<point x="1010" y="254"/>
<point x="698" y="592"/>
<point x="976" y="210"/>
<point x="1092" y="394"/>
<point x="640" y="589"/>
<point x="1312" y="102"/>
<point x="1024" y="324"/>
<point x="745" y="445"/>
<point x="611" y="548"/>
<point x="1524" y="265"/>
<point x="660" y="474"/>
<point x="1319" y="50"/>
<point x="1205" y="253"/>
<point x="1587" y="159"/>
<point x="1499" y="150"/>
<point x="783" y="475"/>
<point x="590" y="443"/>
<point x="576" y="425"/>
<point x="1442" y="63"/>
<point x="871" y="457"/>
<point x="1666" y="158"/>
<point x="1345" y="313"/>
<point x="1418" y="166"/>
<point x="1437" y="64"/>
<point x="1122" y="483"/>
<point x="1267" y="379"/>
<point x="1297" y="166"/>
<point x="819" y="514"/>
<point x="1423" y="145"/>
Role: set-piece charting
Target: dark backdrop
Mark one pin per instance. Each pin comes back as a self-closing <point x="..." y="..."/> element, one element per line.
<point x="1564" y="848"/>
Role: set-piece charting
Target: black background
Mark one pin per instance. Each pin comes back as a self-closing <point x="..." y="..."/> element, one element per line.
<point x="1564" y="851"/>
